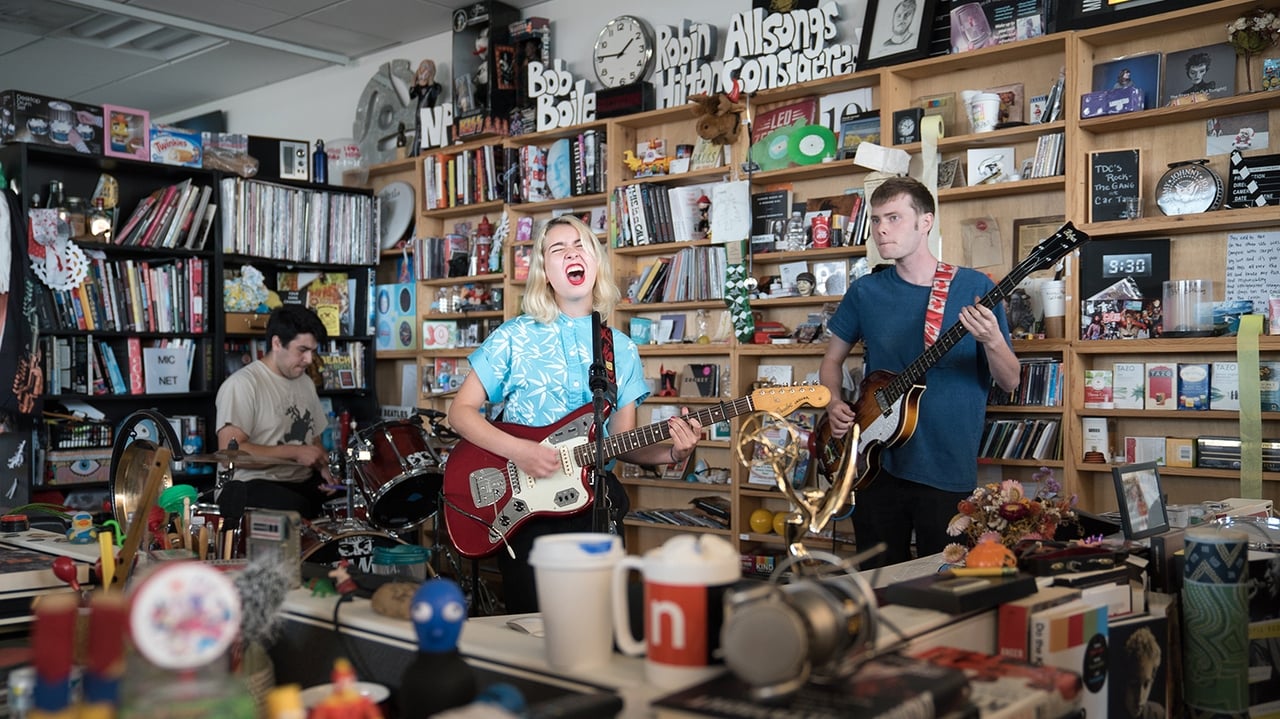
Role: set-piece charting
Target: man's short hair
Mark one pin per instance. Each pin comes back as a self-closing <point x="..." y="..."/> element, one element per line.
<point x="289" y="321"/>
<point x="919" y="195"/>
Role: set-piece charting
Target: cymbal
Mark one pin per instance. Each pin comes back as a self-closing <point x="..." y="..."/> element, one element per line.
<point x="235" y="456"/>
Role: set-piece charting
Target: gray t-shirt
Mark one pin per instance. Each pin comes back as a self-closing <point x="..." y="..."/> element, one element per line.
<point x="272" y="410"/>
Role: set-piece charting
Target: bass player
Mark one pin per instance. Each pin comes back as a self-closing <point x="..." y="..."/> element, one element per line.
<point x="891" y="311"/>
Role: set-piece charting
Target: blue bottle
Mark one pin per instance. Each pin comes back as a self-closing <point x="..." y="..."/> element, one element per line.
<point x="320" y="164"/>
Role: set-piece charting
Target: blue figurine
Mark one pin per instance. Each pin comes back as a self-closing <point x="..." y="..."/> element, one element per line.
<point x="438" y="678"/>
<point x="82" y="531"/>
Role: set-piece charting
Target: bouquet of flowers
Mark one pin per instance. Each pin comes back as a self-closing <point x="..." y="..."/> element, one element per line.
<point x="1254" y="31"/>
<point x="1004" y="513"/>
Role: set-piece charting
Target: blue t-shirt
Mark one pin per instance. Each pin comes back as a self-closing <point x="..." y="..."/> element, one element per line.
<point x="541" y="371"/>
<point x="887" y="314"/>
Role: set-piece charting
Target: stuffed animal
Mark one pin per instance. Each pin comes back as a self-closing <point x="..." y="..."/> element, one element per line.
<point x="719" y="118"/>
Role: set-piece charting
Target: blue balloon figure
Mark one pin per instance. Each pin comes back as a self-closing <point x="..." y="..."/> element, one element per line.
<point x="438" y="678"/>
<point x="82" y="531"/>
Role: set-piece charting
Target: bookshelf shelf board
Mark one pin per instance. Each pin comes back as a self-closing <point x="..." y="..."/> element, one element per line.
<point x="668" y="484"/>
<point x="692" y="177"/>
<point x="1021" y="187"/>
<point x="447" y="281"/>
<point x="1229" y="415"/>
<point x="811" y="348"/>
<point x="1162" y="226"/>
<point x="474" y="208"/>
<point x="599" y="198"/>
<point x="1024" y="409"/>
<point x="669" y="306"/>
<point x="1165" y="470"/>
<point x="992" y="461"/>
<point x="477" y="315"/>
<point x="681" y="349"/>
<point x="697" y="529"/>
<point x="1170" y="346"/>
<point x="547" y="136"/>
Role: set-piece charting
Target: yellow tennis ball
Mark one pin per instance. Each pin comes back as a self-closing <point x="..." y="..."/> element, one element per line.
<point x="761" y="521"/>
<point x="780" y="523"/>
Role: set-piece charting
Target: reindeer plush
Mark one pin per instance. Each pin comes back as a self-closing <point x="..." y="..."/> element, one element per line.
<point x="719" y="117"/>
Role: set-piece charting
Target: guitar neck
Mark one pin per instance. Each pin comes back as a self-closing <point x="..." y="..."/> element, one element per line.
<point x="911" y="376"/>
<point x="616" y="444"/>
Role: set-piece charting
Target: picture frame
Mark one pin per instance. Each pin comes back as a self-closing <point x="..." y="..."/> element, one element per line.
<point x="1011" y="103"/>
<point x="1143" y="72"/>
<point x="894" y="36"/>
<point x="950" y="174"/>
<point x="1141" y="500"/>
<point x="1214" y="67"/>
<point x="857" y="129"/>
<point x="128" y="132"/>
<point x="1028" y="233"/>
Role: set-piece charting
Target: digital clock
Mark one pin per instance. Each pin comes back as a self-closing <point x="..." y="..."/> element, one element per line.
<point x="1132" y="264"/>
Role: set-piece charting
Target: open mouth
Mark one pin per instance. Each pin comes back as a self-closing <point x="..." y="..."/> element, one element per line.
<point x="576" y="273"/>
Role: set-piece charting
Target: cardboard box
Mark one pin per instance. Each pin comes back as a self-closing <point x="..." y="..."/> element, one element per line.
<point x="1129" y="380"/>
<point x="176" y="146"/>
<point x="25" y="117"/>
<point x="1180" y="452"/>
<point x="1224" y="386"/>
<point x="1161" y="385"/>
<point x="1193" y="385"/>
<point x="1114" y="101"/>
<point x="246" y="323"/>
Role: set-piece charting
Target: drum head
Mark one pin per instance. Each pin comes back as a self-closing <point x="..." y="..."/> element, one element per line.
<point x="330" y="547"/>
<point x="406" y="502"/>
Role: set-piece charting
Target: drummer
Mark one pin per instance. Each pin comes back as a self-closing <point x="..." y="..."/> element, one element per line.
<point x="270" y="409"/>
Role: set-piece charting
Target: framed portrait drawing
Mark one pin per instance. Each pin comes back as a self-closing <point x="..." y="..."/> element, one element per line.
<point x="1210" y="69"/>
<point x="895" y="31"/>
<point x="1028" y="233"/>
<point x="1138" y="492"/>
<point x="1142" y="71"/>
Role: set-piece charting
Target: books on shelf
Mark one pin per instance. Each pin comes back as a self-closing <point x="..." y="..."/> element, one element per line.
<point x="888" y="685"/>
<point x="164" y="218"/>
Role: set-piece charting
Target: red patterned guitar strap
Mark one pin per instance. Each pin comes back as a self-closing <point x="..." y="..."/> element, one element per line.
<point x="606" y="350"/>
<point x="941" y="287"/>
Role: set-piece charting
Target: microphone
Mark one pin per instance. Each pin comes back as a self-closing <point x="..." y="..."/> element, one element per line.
<point x="598" y="375"/>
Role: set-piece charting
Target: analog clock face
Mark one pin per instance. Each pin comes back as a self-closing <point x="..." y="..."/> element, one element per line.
<point x="623" y="52"/>
<point x="906" y="127"/>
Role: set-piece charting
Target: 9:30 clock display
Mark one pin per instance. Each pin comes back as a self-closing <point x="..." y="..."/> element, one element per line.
<point x="1126" y="265"/>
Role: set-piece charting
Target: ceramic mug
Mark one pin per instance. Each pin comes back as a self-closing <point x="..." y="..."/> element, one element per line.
<point x="684" y="585"/>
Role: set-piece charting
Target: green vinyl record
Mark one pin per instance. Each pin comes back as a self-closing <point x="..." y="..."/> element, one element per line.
<point x="771" y="152"/>
<point x="811" y="144"/>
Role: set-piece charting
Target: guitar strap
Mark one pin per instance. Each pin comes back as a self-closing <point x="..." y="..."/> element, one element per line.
<point x="941" y="287"/>
<point x="606" y="356"/>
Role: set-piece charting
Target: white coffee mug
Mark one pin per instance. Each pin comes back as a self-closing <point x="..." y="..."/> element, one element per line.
<point x="684" y="585"/>
<point x="984" y="111"/>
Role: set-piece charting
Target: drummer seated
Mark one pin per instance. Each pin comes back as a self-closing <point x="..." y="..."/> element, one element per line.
<point x="270" y="409"/>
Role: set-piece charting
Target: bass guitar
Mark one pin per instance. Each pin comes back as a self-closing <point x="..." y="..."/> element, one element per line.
<point x="887" y="408"/>
<point x="487" y="498"/>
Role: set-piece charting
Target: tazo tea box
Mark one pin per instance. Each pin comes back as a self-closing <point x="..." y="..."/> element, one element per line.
<point x="1161" y="385"/>
<point x="1193" y="385"/>
<point x="1224" y="385"/>
<point x="1129" y="380"/>
<point x="1269" y="385"/>
<point x="1097" y="439"/>
<point x="1097" y="389"/>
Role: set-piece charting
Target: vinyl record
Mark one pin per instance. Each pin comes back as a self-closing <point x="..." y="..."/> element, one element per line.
<point x="770" y="153"/>
<point x="811" y="144"/>
<point x="405" y="300"/>
<point x="404" y="336"/>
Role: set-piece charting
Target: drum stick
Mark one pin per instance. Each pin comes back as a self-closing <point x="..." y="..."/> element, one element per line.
<point x="228" y="543"/>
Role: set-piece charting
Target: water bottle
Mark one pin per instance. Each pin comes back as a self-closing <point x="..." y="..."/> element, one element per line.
<point x="320" y="164"/>
<point x="192" y="444"/>
<point x="326" y="437"/>
<point x="794" y="239"/>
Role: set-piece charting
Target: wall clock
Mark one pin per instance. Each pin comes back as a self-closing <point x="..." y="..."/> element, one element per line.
<point x="624" y="51"/>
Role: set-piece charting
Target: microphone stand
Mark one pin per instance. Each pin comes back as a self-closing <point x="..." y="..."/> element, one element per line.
<point x="603" y="392"/>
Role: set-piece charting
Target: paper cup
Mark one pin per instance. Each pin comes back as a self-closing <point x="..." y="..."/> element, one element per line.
<point x="572" y="574"/>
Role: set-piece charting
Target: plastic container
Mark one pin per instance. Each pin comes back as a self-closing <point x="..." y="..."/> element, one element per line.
<point x="406" y="561"/>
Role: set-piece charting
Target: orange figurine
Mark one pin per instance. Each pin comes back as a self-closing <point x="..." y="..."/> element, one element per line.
<point x="346" y="701"/>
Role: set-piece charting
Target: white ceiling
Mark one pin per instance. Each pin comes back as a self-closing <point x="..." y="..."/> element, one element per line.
<point x="167" y="55"/>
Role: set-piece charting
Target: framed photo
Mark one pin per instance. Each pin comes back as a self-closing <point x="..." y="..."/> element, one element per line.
<point x="1028" y="233"/>
<point x="1011" y="103"/>
<point x="899" y="31"/>
<point x="1142" y="510"/>
<point x="950" y="174"/>
<point x="346" y="379"/>
<point x="1210" y="69"/>
<point x="128" y="132"/>
<point x="857" y="129"/>
<point x="1141" y="71"/>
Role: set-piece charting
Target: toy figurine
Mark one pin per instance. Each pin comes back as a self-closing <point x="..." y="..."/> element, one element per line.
<point x="346" y="701"/>
<point x="82" y="531"/>
<point x="425" y="90"/>
<point x="437" y="679"/>
<point x="805" y="282"/>
<point x="703" y="229"/>
<point x="342" y="578"/>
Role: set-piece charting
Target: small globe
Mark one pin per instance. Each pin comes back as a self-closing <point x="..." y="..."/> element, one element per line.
<point x="761" y="521"/>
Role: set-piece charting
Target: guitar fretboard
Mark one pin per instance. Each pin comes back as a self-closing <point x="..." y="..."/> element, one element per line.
<point x="585" y="455"/>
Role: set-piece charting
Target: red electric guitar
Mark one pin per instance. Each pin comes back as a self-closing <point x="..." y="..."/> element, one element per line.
<point x="888" y="404"/>
<point x="486" y="498"/>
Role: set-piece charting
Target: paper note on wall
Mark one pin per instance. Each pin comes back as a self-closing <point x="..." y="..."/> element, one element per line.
<point x="730" y="211"/>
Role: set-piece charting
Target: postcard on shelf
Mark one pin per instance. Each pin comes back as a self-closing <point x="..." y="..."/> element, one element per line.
<point x="943" y="105"/>
<point x="1011" y="103"/>
<point x="990" y="164"/>
<point x="439" y="334"/>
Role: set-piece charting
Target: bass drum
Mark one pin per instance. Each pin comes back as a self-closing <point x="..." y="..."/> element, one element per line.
<point x="327" y="544"/>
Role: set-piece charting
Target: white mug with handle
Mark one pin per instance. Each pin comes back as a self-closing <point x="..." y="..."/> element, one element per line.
<point x="684" y="584"/>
